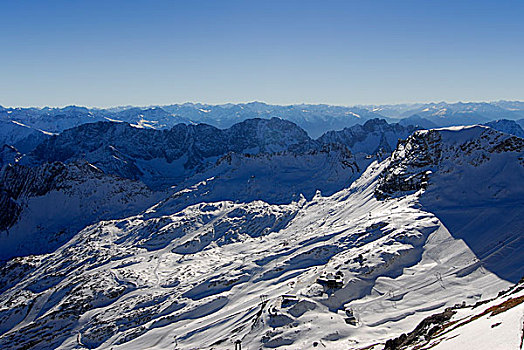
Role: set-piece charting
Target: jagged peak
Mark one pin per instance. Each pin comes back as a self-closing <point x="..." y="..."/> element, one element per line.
<point x="425" y="152"/>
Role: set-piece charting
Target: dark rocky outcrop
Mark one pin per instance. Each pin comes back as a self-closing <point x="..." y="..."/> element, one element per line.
<point x="19" y="182"/>
<point x="411" y="164"/>
<point x="425" y="329"/>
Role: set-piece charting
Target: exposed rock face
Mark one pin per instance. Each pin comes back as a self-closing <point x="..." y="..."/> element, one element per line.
<point x="126" y="151"/>
<point x="424" y="152"/>
<point x="411" y="164"/>
<point x="9" y="154"/>
<point x="424" y="330"/>
<point x="43" y="206"/>
<point x="375" y="136"/>
<point x="462" y="321"/>
<point x="20" y="182"/>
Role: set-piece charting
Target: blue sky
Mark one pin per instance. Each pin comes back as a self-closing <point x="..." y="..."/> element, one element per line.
<point x="106" y="53"/>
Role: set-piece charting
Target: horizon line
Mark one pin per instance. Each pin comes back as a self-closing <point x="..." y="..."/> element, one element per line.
<point x="255" y="101"/>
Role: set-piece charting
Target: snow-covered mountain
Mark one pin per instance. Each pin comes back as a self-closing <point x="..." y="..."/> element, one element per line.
<point x="437" y="223"/>
<point x="375" y="136"/>
<point x="515" y="106"/>
<point x="162" y="158"/>
<point x="417" y="120"/>
<point x="271" y="160"/>
<point x="315" y="119"/>
<point x="452" y="114"/>
<point x="52" y="120"/>
<point x="275" y="154"/>
<point x="21" y="136"/>
<point x="507" y="126"/>
<point x="43" y="207"/>
<point x="278" y="178"/>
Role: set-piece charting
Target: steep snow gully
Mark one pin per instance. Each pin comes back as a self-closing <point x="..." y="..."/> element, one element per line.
<point x="437" y="223"/>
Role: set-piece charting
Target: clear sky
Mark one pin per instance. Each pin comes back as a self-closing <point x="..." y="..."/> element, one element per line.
<point x="107" y="53"/>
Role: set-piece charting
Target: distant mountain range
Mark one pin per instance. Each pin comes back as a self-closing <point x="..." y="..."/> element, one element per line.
<point x="315" y="119"/>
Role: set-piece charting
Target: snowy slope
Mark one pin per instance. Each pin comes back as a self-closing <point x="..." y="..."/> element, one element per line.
<point x="490" y="324"/>
<point x="277" y="178"/>
<point x="20" y="136"/>
<point x="43" y="207"/>
<point x="383" y="250"/>
<point x="275" y="161"/>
